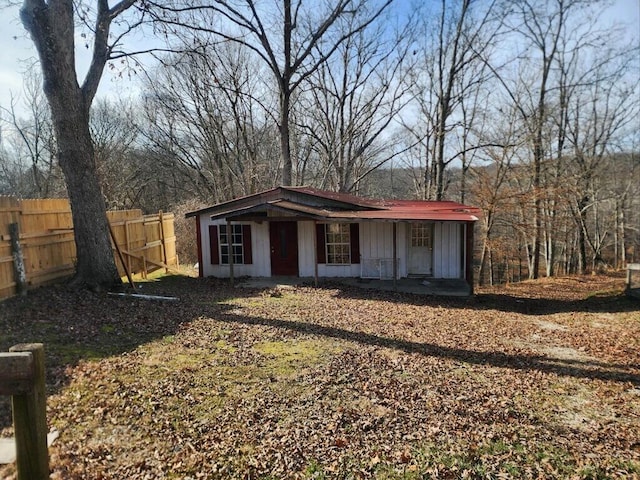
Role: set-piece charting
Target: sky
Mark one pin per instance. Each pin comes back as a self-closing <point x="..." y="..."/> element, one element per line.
<point x="17" y="52"/>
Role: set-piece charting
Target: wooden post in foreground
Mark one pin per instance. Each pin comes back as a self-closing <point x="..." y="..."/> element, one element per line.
<point x="22" y="377"/>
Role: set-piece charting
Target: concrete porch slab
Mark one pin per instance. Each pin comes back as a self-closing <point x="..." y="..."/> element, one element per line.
<point x="444" y="287"/>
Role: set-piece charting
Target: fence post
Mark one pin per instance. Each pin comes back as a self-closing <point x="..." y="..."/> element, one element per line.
<point x="30" y="420"/>
<point x="162" y="239"/>
<point x="19" y="270"/>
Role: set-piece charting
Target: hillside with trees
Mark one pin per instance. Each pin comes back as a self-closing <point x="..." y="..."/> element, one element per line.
<point x="528" y="110"/>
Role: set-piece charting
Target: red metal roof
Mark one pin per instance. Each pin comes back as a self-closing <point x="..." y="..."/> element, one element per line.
<point x="337" y="196"/>
<point x="352" y="208"/>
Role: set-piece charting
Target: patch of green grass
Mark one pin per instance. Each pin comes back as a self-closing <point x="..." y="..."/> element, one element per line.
<point x="71" y="353"/>
<point x="487" y="460"/>
<point x="107" y="328"/>
<point x="314" y="470"/>
<point x="608" y="293"/>
<point x="161" y="274"/>
<point x="285" y="357"/>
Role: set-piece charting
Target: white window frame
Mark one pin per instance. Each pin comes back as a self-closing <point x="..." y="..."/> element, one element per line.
<point x="422" y="235"/>
<point x="336" y="247"/>
<point x="237" y="244"/>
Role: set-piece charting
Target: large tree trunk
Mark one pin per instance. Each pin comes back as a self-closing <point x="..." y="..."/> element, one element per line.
<point x="95" y="266"/>
<point x="52" y="30"/>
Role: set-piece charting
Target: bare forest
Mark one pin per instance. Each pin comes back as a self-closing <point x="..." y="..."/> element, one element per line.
<point x="529" y="110"/>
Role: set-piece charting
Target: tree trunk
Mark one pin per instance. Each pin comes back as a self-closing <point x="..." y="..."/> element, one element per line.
<point x="285" y="98"/>
<point x="537" y="205"/>
<point x="582" y="237"/>
<point x="52" y="30"/>
<point x="95" y="264"/>
<point x="285" y="143"/>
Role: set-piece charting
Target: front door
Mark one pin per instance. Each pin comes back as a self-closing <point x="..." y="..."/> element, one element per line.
<point x="420" y="249"/>
<point x="283" y="237"/>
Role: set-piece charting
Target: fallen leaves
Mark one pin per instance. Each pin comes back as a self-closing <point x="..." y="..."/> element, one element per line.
<point x="338" y="383"/>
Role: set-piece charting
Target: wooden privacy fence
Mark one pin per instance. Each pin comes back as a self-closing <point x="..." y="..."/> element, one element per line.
<point x="41" y="232"/>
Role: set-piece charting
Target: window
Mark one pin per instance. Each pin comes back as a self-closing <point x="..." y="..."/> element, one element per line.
<point x="236" y="245"/>
<point x="421" y="234"/>
<point x="237" y="241"/>
<point x="338" y="243"/>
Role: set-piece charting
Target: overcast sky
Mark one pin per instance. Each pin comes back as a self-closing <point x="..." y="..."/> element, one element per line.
<point x="17" y="51"/>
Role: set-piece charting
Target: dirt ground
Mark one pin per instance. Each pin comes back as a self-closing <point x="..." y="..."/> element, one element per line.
<point x="533" y="380"/>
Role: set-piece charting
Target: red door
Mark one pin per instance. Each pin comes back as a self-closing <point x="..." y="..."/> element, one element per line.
<point x="284" y="248"/>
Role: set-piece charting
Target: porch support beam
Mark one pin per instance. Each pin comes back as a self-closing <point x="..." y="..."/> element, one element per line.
<point x="315" y="253"/>
<point x="395" y="256"/>
<point x="468" y="259"/>
<point x="230" y="250"/>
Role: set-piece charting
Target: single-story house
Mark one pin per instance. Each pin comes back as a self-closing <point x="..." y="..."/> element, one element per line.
<point x="306" y="232"/>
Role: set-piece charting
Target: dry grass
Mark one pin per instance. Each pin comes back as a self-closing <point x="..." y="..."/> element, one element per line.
<point x="534" y="380"/>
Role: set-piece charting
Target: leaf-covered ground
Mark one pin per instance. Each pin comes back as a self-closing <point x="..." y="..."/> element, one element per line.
<point x="535" y="380"/>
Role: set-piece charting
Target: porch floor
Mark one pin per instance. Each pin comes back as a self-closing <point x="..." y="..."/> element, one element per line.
<point x="445" y="287"/>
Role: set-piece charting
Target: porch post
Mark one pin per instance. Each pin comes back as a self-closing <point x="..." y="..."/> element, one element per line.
<point x="230" y="246"/>
<point x="199" y="237"/>
<point x="469" y="243"/>
<point x="315" y="253"/>
<point x="395" y="256"/>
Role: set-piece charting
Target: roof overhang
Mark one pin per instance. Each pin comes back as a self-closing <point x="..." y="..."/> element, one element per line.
<point x="299" y="211"/>
<point x="305" y="203"/>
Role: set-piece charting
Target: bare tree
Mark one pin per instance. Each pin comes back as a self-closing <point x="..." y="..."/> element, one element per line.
<point x="602" y="110"/>
<point x="351" y="101"/>
<point x="283" y="35"/>
<point x="540" y="33"/>
<point x="33" y="170"/>
<point x="52" y="28"/>
<point x="454" y="35"/>
<point x="114" y="134"/>
<point x="210" y="112"/>
<point x="491" y="187"/>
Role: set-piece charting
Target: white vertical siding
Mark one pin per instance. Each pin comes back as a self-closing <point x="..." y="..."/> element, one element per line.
<point x="447" y="250"/>
<point x="306" y="254"/>
<point x="376" y="241"/>
<point x="261" y="256"/>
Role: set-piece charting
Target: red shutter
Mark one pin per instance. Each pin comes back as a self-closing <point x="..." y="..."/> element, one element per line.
<point x="213" y="245"/>
<point x="354" y="235"/>
<point x="246" y="244"/>
<point x="320" y="243"/>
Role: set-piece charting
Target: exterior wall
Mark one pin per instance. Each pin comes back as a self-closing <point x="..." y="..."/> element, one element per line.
<point x="261" y="266"/>
<point x="306" y="256"/>
<point x="376" y="241"/>
<point x="448" y="241"/>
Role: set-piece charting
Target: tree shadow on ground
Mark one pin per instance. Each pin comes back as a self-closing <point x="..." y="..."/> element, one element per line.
<point x="82" y="325"/>
<point x="571" y="368"/>
<point x="606" y="302"/>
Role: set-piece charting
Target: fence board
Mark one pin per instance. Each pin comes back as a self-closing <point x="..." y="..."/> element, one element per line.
<point x="48" y="246"/>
